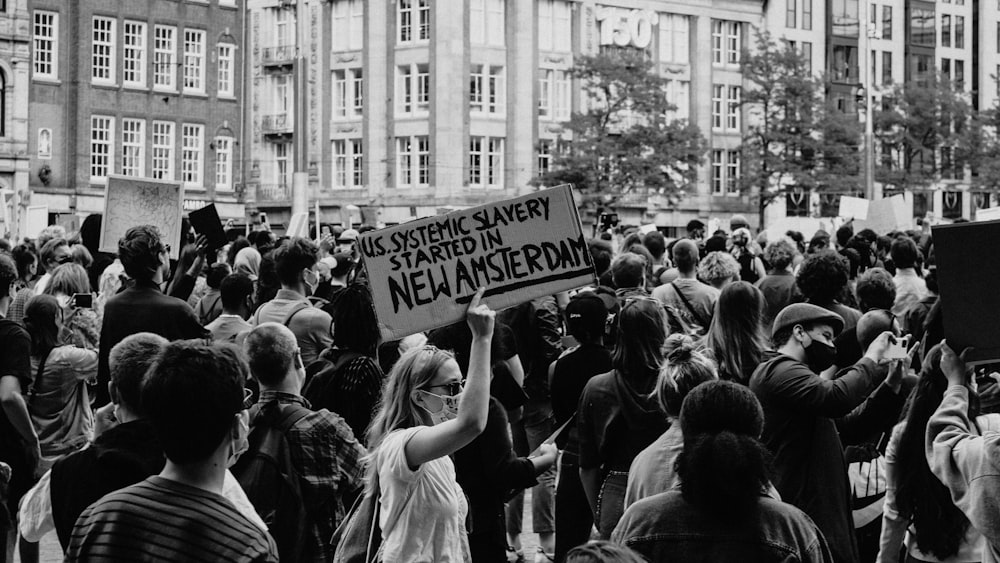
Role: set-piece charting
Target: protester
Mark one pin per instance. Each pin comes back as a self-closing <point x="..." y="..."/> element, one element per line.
<point x="913" y="320"/>
<point x="27" y="266"/>
<point x="247" y="261"/>
<point x="821" y="279"/>
<point x="144" y="307"/>
<point x="799" y="406"/>
<point x="747" y="255"/>
<point x="55" y="252"/>
<point x="721" y="512"/>
<point x="295" y="265"/>
<point x="347" y="379"/>
<point x="690" y="303"/>
<point x="628" y="274"/>
<point x="59" y="402"/>
<point x="736" y="337"/>
<point x="910" y="287"/>
<point x="719" y="269"/>
<point x="586" y="317"/>
<point x="323" y="450"/>
<point x="209" y="307"/>
<point x="656" y="244"/>
<point x="341" y="265"/>
<point x="653" y="471"/>
<point x="423" y="509"/>
<point x="236" y="295"/>
<point x="621" y="396"/>
<point x="81" y="323"/>
<point x="779" y="287"/>
<point x="193" y="396"/>
<point x="876" y="294"/>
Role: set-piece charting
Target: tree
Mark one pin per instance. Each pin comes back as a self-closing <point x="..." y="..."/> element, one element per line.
<point x="624" y="140"/>
<point x="794" y="140"/>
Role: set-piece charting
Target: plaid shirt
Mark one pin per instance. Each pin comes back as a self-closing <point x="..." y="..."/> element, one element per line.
<point x="329" y="462"/>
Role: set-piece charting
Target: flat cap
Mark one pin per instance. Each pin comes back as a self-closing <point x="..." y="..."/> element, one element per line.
<point x="803" y="313"/>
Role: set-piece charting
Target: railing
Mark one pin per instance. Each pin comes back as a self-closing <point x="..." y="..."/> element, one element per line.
<point x="278" y="55"/>
<point x="274" y="192"/>
<point x="277" y="123"/>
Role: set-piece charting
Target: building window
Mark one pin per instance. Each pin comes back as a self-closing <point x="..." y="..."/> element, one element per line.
<point x="807" y="14"/>
<point x="886" y="22"/>
<point x="922" y="27"/>
<point x="348" y="25"/>
<point x="486" y="162"/>
<point x="675" y="39"/>
<point x="194" y="60"/>
<point x="282" y="170"/>
<point x="163" y="150"/>
<point x="284" y="27"/>
<point x="679" y="96"/>
<point x="224" y="163"/>
<point x="554" y="26"/>
<point x="946" y="68"/>
<point x="133" y="147"/>
<point x="486" y="90"/>
<point x="726" y="42"/>
<point x="348" y="164"/>
<point x="103" y="57"/>
<point x="554" y="96"/>
<point x="413" y="158"/>
<point x="413" y="19"/>
<point x="732" y="172"/>
<point x="717" y="172"/>
<point x="413" y="86"/>
<point x="192" y="148"/>
<point x="886" y="68"/>
<point x="734" y="32"/>
<point x="134" y="54"/>
<point x="226" y="69"/>
<point x="959" y="73"/>
<point x="164" y="55"/>
<point x="807" y="54"/>
<point x="348" y="93"/>
<point x="44" y="48"/>
<point x="717" y="41"/>
<point x="845" y="63"/>
<point x="844" y="14"/>
<point x="487" y="24"/>
<point x="102" y="134"/>
<point x="790" y="13"/>
<point x="733" y="108"/>
<point x="544" y="156"/>
<point x="959" y="32"/>
<point x="718" y="93"/>
<point x="945" y="30"/>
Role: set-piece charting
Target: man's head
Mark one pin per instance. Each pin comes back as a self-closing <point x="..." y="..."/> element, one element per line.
<point x="193" y="396"/>
<point x="656" y="244"/>
<point x="844" y="234"/>
<point x="800" y="326"/>
<point x="874" y="323"/>
<point x="343" y="266"/>
<point x="686" y="256"/>
<point x="236" y="293"/>
<point x="875" y="289"/>
<point x="695" y="229"/>
<point x="143" y="254"/>
<point x="295" y="263"/>
<point x="904" y="253"/>
<point x="216" y="273"/>
<point x="738" y="222"/>
<point x="55" y="252"/>
<point x="780" y="254"/>
<point x="628" y="270"/>
<point x="129" y="361"/>
<point x="823" y="276"/>
<point x="719" y="269"/>
<point x="8" y="274"/>
<point x="273" y="354"/>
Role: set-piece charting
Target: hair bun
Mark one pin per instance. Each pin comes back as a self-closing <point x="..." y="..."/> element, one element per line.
<point x="679" y="348"/>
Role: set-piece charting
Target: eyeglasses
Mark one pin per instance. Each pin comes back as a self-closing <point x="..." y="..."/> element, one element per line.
<point x="453" y="388"/>
<point x="247" y="398"/>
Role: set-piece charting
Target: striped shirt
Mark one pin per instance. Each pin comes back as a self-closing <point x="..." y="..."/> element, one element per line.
<point x="162" y="520"/>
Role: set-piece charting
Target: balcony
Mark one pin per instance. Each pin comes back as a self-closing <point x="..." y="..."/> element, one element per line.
<point x="274" y="193"/>
<point x="280" y="55"/>
<point x="277" y="124"/>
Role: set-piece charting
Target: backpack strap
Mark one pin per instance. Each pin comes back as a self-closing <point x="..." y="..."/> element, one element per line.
<point x="300" y="306"/>
<point x="688" y="306"/>
<point x="281" y="417"/>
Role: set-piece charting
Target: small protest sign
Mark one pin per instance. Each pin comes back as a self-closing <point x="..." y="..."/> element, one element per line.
<point x="298" y="226"/>
<point x="853" y="208"/>
<point x="130" y="202"/>
<point x="424" y="273"/>
<point x="886" y="215"/>
<point x="988" y="214"/>
<point x="206" y="222"/>
<point x="967" y="285"/>
<point x="36" y="218"/>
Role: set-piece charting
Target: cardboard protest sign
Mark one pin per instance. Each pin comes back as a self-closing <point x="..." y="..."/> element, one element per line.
<point x="970" y="302"/>
<point x="853" y="207"/>
<point x="886" y="215"/>
<point x="298" y="226"/>
<point x="36" y="218"/>
<point x="206" y="222"/>
<point x="424" y="273"/>
<point x="130" y="202"/>
<point x="988" y="214"/>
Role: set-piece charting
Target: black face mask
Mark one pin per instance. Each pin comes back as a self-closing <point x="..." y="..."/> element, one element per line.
<point x="820" y="355"/>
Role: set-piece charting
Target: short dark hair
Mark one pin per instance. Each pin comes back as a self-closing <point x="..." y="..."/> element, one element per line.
<point x="8" y="274"/>
<point x="216" y="273"/>
<point x="628" y="270"/>
<point x="601" y="252"/>
<point x="234" y="290"/>
<point x="823" y="276"/>
<point x="292" y="256"/>
<point x="271" y="351"/>
<point x="24" y="256"/>
<point x="686" y="255"/>
<point x="844" y="234"/>
<point x="876" y="290"/>
<point x="128" y="361"/>
<point x="655" y="243"/>
<point x="904" y="253"/>
<point x="140" y="251"/>
<point x="190" y="395"/>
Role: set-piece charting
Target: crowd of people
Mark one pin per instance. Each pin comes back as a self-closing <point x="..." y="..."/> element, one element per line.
<point x="718" y="397"/>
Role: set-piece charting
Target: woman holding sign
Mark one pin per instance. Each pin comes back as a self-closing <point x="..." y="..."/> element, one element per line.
<point x="426" y="416"/>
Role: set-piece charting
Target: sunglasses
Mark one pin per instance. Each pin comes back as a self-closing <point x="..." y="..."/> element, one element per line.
<point x="453" y="388"/>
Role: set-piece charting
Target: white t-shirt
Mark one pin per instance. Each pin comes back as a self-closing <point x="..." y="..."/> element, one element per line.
<point x="424" y="510"/>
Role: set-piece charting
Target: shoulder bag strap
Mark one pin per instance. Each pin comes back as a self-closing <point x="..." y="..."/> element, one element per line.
<point x="300" y="306"/>
<point x="688" y="306"/>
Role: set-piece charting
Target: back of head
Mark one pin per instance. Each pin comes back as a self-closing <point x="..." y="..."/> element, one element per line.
<point x="872" y="324"/>
<point x="356" y="326"/>
<point x="191" y="394"/>
<point x="24" y="256"/>
<point x="248" y="261"/>
<point x="655" y="243"/>
<point x="867" y="235"/>
<point x="685" y="368"/>
<point x="844" y="234"/>
<point x="292" y="256"/>
<point x="128" y="362"/>
<point x="736" y="335"/>
<point x="140" y="252"/>
<point x="602" y="253"/>
<point x="603" y="552"/>
<point x="723" y="468"/>
<point x="49" y="233"/>
<point x="344" y="265"/>
<point x="686" y="256"/>
<point x="81" y="255"/>
<point x="628" y="270"/>
<point x="586" y="317"/>
<point x="40" y="319"/>
<point x="823" y="276"/>
<point x="779" y="254"/>
<point x="904" y="252"/>
<point x="875" y="289"/>
<point x="68" y="279"/>
<point x="234" y="290"/>
<point x="642" y="331"/>
<point x="235" y="247"/>
<point x="8" y="274"/>
<point x="90" y="232"/>
<point x="271" y="350"/>
<point x="216" y="273"/>
<point x="718" y="267"/>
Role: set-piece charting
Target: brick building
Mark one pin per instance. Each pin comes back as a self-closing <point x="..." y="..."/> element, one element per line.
<point x="15" y="37"/>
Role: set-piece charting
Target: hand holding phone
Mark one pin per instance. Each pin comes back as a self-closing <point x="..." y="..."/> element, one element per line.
<point x="82" y="300"/>
<point x="899" y="348"/>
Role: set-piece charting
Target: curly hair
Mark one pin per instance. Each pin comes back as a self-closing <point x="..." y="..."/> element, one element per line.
<point x="779" y="254"/>
<point x="876" y="289"/>
<point x="717" y="267"/>
<point x="823" y="276"/>
<point x="140" y="252"/>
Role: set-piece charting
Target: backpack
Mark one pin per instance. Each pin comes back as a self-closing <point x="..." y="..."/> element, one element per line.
<point x="267" y="475"/>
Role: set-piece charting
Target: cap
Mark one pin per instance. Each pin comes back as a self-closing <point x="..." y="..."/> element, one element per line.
<point x="344" y="263"/>
<point x="350" y="235"/>
<point x="738" y="221"/>
<point x="586" y="313"/>
<point x="329" y="262"/>
<point x="800" y="313"/>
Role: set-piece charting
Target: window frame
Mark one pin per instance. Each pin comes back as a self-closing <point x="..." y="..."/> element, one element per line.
<point x="163" y="152"/>
<point x="108" y="142"/>
<point x="160" y="52"/>
<point x="224" y="163"/>
<point x="137" y="143"/>
<point x="193" y="156"/>
<point x="188" y="56"/>
<point x="229" y="73"/>
<point x="111" y="44"/>
<point x="139" y="49"/>
<point x="52" y="41"/>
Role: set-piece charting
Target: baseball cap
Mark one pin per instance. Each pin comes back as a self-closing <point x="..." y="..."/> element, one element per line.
<point x="343" y="264"/>
<point x="803" y="313"/>
<point x="350" y="235"/>
<point x="586" y="313"/>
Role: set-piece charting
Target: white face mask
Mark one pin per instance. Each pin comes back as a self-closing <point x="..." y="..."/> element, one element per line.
<point x="242" y="441"/>
<point x="449" y="407"/>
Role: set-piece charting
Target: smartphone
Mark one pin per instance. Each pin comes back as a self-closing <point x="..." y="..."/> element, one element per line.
<point x="263" y="218"/>
<point x="899" y="349"/>
<point x="82" y="300"/>
<point x="607" y="221"/>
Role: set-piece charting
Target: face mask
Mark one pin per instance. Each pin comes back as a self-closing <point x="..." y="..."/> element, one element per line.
<point x="820" y="355"/>
<point x="242" y="442"/>
<point x="311" y="280"/>
<point x="449" y="407"/>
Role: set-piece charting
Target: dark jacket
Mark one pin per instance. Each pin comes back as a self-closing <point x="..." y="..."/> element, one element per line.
<point x="143" y="308"/>
<point x="121" y="456"/>
<point x="800" y="431"/>
<point x="665" y="527"/>
<point x="537" y="330"/>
